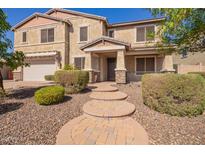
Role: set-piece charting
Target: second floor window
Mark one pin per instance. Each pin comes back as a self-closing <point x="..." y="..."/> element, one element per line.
<point x="79" y="62"/>
<point x="111" y="33"/>
<point x="145" y="34"/>
<point x="24" y="37"/>
<point x="47" y="35"/>
<point x="83" y="34"/>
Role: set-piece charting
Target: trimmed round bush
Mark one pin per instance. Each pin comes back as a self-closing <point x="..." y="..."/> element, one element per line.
<point x="49" y="95"/>
<point x="74" y="81"/>
<point x="174" y="94"/>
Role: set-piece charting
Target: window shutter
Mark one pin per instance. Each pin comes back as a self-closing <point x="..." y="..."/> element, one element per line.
<point x="51" y="35"/>
<point x="83" y="34"/>
<point x="43" y="35"/>
<point x="24" y="37"/>
<point x="140" y="34"/>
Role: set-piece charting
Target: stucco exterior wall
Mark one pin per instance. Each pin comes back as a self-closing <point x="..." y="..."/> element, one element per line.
<point x="96" y="29"/>
<point x="68" y="44"/>
<point x="128" y="34"/>
<point x="94" y="32"/>
<point x="130" y="62"/>
<point x="34" y="44"/>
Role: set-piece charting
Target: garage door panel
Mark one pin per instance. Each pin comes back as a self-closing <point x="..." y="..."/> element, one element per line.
<point x="37" y="70"/>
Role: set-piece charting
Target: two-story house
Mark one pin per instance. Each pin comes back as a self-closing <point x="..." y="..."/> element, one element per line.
<point x="110" y="52"/>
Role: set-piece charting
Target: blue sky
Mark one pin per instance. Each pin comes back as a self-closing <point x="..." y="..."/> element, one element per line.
<point x="113" y="15"/>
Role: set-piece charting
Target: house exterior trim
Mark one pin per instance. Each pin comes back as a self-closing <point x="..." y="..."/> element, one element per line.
<point x="38" y="15"/>
<point x="112" y="40"/>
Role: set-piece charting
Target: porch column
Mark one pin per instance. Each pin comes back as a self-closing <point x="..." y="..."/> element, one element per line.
<point x="120" y="71"/>
<point x="168" y="64"/>
<point x="88" y="66"/>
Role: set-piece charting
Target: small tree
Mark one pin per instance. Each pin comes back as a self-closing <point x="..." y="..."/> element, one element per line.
<point x="12" y="60"/>
<point x="184" y="28"/>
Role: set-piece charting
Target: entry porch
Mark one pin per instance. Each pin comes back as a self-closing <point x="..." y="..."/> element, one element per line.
<point x="108" y="59"/>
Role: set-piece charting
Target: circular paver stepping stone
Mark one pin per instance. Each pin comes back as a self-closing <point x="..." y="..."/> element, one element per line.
<point x="105" y="89"/>
<point x="92" y="130"/>
<point x="108" y="108"/>
<point x="108" y="96"/>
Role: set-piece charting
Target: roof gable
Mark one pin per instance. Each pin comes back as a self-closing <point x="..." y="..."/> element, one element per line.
<point x="77" y="13"/>
<point x="138" y="22"/>
<point x="104" y="41"/>
<point x="35" y="15"/>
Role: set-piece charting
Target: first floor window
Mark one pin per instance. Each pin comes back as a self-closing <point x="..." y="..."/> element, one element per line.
<point x="145" y="65"/>
<point x="79" y="62"/>
<point x="47" y="35"/>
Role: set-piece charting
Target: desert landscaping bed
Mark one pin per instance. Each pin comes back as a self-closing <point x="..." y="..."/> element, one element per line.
<point x="22" y="121"/>
<point x="163" y="128"/>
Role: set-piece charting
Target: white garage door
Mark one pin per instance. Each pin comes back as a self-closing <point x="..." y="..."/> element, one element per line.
<point x="38" y="69"/>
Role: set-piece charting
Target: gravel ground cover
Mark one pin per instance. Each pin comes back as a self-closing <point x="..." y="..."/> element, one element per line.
<point x="163" y="128"/>
<point x="22" y="121"/>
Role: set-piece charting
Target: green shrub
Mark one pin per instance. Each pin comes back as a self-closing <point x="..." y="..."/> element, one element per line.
<point x="49" y="95"/>
<point x="200" y="73"/>
<point x="49" y="77"/>
<point x="74" y="81"/>
<point x="174" y="94"/>
<point x="69" y="67"/>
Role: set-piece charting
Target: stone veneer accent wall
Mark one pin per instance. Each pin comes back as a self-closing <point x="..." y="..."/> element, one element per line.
<point x="120" y="76"/>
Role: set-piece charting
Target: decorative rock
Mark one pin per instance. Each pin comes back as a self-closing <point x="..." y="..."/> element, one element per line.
<point x="108" y="108"/>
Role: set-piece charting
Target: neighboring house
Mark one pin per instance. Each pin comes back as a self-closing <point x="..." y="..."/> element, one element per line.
<point x="6" y="72"/>
<point x="116" y="52"/>
<point x="192" y="62"/>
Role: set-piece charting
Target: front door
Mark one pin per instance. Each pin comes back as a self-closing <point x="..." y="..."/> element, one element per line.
<point x="111" y="65"/>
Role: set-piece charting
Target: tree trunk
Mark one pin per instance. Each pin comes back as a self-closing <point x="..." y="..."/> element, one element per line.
<point x="1" y="83"/>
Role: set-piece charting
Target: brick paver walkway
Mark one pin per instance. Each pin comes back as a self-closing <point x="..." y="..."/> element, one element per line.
<point x="105" y="120"/>
<point x="108" y="109"/>
<point x="108" y="96"/>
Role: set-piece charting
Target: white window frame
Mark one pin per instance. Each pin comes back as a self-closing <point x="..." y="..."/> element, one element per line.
<point x="150" y="25"/>
<point x="88" y="28"/>
<point x="47" y="34"/>
<point x="155" y="63"/>
<point x="109" y="31"/>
